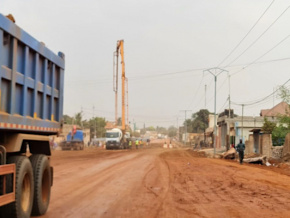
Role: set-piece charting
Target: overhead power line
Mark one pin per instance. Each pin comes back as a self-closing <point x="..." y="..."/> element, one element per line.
<point x="263" y="99"/>
<point x="262" y="55"/>
<point x="246" y="34"/>
<point x="259" y="36"/>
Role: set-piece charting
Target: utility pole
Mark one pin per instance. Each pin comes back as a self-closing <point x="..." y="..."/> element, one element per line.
<point x="215" y="72"/>
<point x="81" y="119"/>
<point x="229" y="95"/>
<point x="205" y="96"/>
<point x="94" y="122"/>
<point x="243" y="122"/>
<point x="177" y="132"/>
<point x="185" y="127"/>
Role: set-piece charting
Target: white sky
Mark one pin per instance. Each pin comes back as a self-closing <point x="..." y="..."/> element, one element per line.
<point x="161" y="37"/>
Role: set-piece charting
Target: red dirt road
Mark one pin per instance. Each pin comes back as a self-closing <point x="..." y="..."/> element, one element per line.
<point x="158" y="182"/>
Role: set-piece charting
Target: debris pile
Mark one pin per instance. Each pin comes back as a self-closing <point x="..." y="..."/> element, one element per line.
<point x="230" y="154"/>
<point x="257" y="160"/>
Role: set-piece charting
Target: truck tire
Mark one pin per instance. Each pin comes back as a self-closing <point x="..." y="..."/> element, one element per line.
<point x="24" y="188"/>
<point x="42" y="183"/>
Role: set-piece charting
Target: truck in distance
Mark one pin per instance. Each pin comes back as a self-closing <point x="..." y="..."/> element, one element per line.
<point x="74" y="141"/>
<point x="116" y="140"/>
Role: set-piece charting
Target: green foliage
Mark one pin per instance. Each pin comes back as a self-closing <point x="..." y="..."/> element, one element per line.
<point x="99" y="122"/>
<point x="268" y="126"/>
<point x="150" y="128"/>
<point x="119" y="121"/>
<point x="67" y="119"/>
<point x="278" y="135"/>
<point x="172" y="131"/>
<point x="161" y="130"/>
<point x="78" y="119"/>
<point x="284" y="94"/>
<point x="188" y="124"/>
<point x="198" y="122"/>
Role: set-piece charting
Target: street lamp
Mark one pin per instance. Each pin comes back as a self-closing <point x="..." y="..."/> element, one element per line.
<point x="215" y="74"/>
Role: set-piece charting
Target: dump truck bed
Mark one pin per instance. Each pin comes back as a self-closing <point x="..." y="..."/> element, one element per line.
<point x="31" y="82"/>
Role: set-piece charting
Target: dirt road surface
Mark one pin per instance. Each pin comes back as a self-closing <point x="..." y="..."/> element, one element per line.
<point x="157" y="182"/>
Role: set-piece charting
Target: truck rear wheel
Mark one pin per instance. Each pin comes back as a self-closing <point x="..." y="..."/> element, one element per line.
<point x="42" y="183"/>
<point x="24" y="188"/>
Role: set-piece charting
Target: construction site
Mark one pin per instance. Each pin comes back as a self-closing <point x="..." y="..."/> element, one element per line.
<point x="158" y="182"/>
<point x="121" y="125"/>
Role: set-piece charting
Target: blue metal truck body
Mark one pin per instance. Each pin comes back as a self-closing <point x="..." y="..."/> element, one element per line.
<point x="31" y="109"/>
<point x="78" y="136"/>
<point x="75" y="141"/>
<point x="31" y="82"/>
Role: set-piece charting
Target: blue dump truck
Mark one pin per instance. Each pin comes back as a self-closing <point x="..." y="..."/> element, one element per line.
<point x="31" y="109"/>
<point x="74" y="140"/>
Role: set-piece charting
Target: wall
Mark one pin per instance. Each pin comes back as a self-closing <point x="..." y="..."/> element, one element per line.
<point x="249" y="145"/>
<point x="286" y="147"/>
<point x="266" y="144"/>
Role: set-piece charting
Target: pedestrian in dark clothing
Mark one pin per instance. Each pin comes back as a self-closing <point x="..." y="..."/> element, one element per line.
<point x="241" y="148"/>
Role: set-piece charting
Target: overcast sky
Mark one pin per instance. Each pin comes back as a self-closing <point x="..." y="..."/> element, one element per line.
<point x="168" y="45"/>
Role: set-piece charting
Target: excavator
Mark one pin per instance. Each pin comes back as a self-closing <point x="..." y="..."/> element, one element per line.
<point x="118" y="136"/>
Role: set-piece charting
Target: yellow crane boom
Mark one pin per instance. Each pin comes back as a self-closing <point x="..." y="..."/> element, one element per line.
<point x="120" y="48"/>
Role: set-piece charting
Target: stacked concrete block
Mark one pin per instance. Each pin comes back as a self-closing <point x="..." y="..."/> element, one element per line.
<point x="277" y="152"/>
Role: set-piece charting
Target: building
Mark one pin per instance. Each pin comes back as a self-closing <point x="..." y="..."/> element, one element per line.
<point x="248" y="128"/>
<point x="280" y="109"/>
<point x="209" y="132"/>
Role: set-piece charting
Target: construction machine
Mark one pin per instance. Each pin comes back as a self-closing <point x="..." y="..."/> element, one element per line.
<point x="121" y="133"/>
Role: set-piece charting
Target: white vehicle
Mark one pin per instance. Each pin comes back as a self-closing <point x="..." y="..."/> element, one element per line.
<point x="115" y="139"/>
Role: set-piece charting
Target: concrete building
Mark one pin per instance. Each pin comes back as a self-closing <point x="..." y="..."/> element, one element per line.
<point x="209" y="132"/>
<point x="231" y="130"/>
<point x="248" y="128"/>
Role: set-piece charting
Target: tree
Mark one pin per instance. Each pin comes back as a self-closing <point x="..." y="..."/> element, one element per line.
<point x="200" y="121"/>
<point x="161" y="130"/>
<point x="188" y="124"/>
<point x="284" y="94"/>
<point x="268" y="126"/>
<point x="150" y="128"/>
<point x="172" y="131"/>
<point x="78" y="119"/>
<point x="67" y="119"/>
<point x="278" y="135"/>
<point x="99" y="123"/>
<point x="119" y="121"/>
<point x="279" y="132"/>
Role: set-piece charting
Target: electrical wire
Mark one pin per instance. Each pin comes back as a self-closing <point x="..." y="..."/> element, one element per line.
<point x="260" y="36"/>
<point x="262" y="55"/>
<point x="196" y="91"/>
<point x="258" y="101"/>
<point x="246" y="34"/>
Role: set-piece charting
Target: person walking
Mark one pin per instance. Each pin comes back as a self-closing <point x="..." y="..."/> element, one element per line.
<point x="241" y="148"/>
<point x="130" y="144"/>
<point x="136" y="143"/>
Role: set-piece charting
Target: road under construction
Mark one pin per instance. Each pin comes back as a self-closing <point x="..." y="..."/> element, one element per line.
<point x="158" y="182"/>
